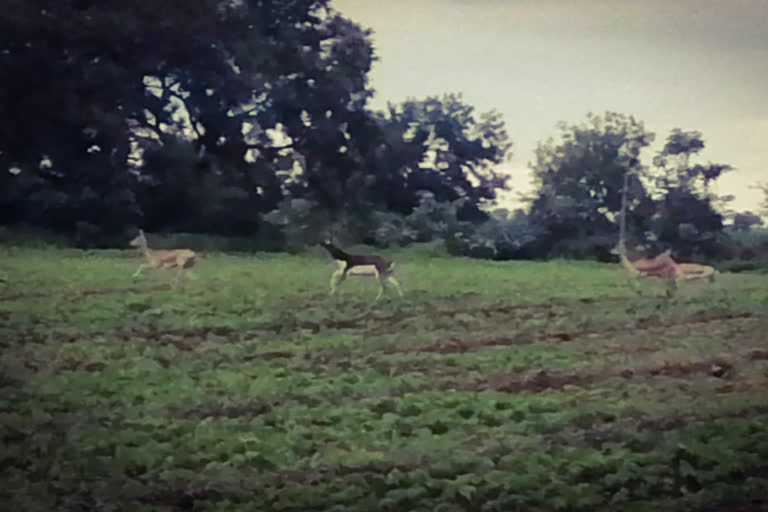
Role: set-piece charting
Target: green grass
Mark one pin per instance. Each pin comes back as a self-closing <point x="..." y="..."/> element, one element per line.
<point x="489" y="386"/>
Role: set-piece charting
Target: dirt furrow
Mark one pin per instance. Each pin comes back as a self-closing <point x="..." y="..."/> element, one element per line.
<point x="545" y="380"/>
<point x="459" y="346"/>
<point x="78" y="294"/>
<point x="727" y="371"/>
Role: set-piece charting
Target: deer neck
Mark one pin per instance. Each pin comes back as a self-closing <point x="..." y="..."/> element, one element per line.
<point x="625" y="261"/>
<point x="145" y="250"/>
<point x="336" y="253"/>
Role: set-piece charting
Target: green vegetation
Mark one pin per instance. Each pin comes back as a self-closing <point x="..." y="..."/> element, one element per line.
<point x="490" y="386"/>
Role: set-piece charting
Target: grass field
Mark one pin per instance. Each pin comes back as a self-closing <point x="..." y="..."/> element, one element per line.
<point x="491" y="386"/>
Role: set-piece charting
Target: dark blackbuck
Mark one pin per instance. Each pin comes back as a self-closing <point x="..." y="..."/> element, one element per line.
<point x="361" y="265"/>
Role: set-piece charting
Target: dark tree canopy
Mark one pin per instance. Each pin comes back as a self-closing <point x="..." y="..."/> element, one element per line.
<point x="89" y="83"/>
<point x="579" y="181"/>
<point x="686" y="219"/>
<point x="202" y="115"/>
<point x="579" y="178"/>
<point x="745" y="221"/>
<point x="675" y="168"/>
<point x="439" y="145"/>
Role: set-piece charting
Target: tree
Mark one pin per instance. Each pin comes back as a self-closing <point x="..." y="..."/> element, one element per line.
<point x="204" y="115"/>
<point x="310" y="91"/>
<point x="764" y="187"/>
<point x="91" y="87"/>
<point x="579" y="178"/>
<point x="387" y="161"/>
<point x="64" y="101"/>
<point x="308" y="68"/>
<point x="439" y="146"/>
<point x="674" y="164"/>
<point x="745" y="221"/>
<point x="686" y="219"/>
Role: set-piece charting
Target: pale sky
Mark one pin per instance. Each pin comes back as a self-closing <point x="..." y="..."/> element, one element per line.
<point x="693" y="64"/>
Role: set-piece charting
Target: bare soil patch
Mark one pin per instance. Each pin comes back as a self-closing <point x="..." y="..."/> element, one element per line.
<point x="542" y="380"/>
<point x="248" y="409"/>
<point x="78" y="294"/>
<point x="458" y="346"/>
<point x="758" y="354"/>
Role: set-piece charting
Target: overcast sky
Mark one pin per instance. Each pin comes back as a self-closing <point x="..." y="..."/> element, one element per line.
<point x="693" y="64"/>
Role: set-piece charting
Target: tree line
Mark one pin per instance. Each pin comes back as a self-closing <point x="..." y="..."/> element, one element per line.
<point x="252" y="118"/>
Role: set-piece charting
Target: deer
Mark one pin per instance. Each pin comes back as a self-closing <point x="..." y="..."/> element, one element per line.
<point x="662" y="266"/>
<point x="180" y="259"/>
<point x="360" y="265"/>
<point x="666" y="268"/>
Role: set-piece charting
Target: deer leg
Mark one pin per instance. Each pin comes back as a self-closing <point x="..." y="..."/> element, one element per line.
<point x="177" y="278"/>
<point x="394" y="282"/>
<point x="634" y="283"/>
<point x="140" y="269"/>
<point x="381" y="289"/>
<point x="671" y="287"/>
<point x="336" y="279"/>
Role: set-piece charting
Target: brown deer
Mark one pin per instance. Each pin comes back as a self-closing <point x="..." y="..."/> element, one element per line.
<point x="665" y="268"/>
<point x="180" y="259"/>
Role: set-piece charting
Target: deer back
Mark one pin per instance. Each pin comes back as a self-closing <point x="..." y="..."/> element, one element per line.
<point x="183" y="258"/>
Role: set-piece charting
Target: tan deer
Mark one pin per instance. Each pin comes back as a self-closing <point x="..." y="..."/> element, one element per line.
<point x="665" y="268"/>
<point x="180" y="259"/>
<point x="661" y="266"/>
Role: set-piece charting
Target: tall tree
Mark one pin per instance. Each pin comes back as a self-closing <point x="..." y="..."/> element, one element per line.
<point x="308" y="70"/>
<point x="675" y="170"/>
<point x="64" y="101"/>
<point x="439" y="145"/>
<point x="686" y="219"/>
<point x="387" y="160"/>
<point x="579" y="178"/>
<point x="88" y="84"/>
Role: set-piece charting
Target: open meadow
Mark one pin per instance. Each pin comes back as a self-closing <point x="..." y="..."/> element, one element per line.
<point x="491" y="386"/>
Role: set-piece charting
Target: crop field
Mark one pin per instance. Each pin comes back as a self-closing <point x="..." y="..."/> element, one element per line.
<point x="491" y="386"/>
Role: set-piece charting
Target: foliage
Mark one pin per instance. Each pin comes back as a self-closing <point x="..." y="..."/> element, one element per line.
<point x="579" y="179"/>
<point x="503" y="236"/>
<point x="202" y="118"/>
<point x="306" y="223"/>
<point x="299" y="221"/>
<point x="232" y="65"/>
<point x="746" y="220"/>
<point x="439" y="146"/>
<point x="744" y="250"/>
<point x="579" y="182"/>
<point x="433" y="219"/>
<point x="686" y="219"/>
<point x="674" y="163"/>
<point x="764" y="187"/>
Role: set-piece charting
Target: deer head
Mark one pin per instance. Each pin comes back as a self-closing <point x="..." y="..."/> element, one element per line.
<point x="139" y="241"/>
